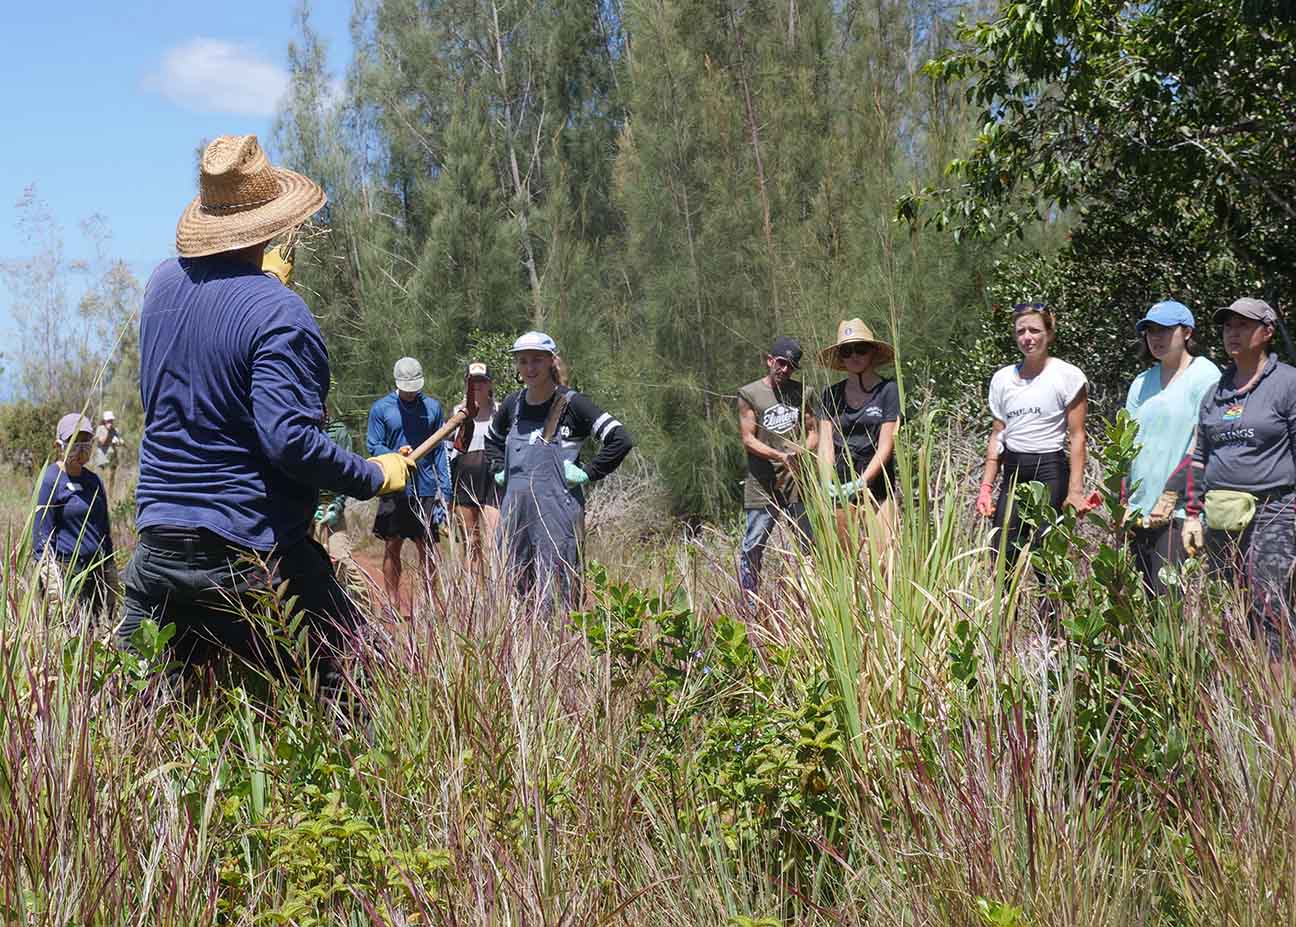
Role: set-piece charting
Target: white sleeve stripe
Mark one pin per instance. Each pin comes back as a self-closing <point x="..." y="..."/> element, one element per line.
<point x="608" y="428"/>
<point x="598" y="424"/>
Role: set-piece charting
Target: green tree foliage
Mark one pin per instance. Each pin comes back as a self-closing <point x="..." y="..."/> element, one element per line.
<point x="663" y="185"/>
<point x="1164" y="127"/>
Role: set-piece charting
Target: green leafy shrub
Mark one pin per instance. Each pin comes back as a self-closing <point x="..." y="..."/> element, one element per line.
<point x="27" y="433"/>
<point x="753" y="739"/>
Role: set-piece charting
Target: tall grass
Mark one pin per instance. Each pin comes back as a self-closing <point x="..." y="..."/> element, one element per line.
<point x="892" y="739"/>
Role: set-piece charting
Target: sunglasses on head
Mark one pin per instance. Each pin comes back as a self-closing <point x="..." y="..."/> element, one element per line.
<point x="783" y="362"/>
<point x="1019" y="308"/>
<point x="850" y="350"/>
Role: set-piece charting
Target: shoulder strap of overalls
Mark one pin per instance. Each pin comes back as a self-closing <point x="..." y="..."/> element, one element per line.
<point x="555" y="415"/>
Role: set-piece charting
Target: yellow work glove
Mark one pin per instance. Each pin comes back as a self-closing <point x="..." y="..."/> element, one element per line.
<point x="278" y="263"/>
<point x="1194" y="538"/>
<point x="395" y="470"/>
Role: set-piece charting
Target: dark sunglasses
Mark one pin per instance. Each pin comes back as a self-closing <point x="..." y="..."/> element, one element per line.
<point x="1019" y="308"/>
<point x="849" y="350"/>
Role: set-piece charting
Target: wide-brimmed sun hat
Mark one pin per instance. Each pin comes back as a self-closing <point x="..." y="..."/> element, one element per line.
<point x="242" y="199"/>
<point x="854" y="331"/>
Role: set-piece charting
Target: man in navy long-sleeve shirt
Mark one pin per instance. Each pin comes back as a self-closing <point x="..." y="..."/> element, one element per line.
<point x="401" y="421"/>
<point x="233" y="378"/>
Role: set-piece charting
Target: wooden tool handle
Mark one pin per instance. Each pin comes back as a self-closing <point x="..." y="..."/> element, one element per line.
<point x="439" y="435"/>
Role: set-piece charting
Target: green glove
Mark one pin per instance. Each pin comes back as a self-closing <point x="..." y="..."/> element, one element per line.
<point x="574" y="475"/>
<point x="319" y="514"/>
<point x="499" y="478"/>
<point x="332" y="516"/>
<point x="849" y="491"/>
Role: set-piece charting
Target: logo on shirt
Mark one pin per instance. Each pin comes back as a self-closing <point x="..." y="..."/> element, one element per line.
<point x="1025" y="410"/>
<point x="873" y="410"/>
<point x="1233" y="412"/>
<point x="780" y="419"/>
<point x="1233" y="437"/>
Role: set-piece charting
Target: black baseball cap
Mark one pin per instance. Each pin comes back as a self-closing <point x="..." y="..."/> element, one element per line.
<point x="478" y="369"/>
<point x="787" y="348"/>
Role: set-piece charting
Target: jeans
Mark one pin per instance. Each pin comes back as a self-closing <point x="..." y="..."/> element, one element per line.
<point x="1260" y="558"/>
<point x="760" y="525"/>
<point x="201" y="584"/>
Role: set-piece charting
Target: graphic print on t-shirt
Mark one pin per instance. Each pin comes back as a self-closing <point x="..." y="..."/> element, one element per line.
<point x="781" y="419"/>
<point x="1233" y="412"/>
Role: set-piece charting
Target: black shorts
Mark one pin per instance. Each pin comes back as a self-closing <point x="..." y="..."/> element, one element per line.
<point x="474" y="484"/>
<point x="406" y="516"/>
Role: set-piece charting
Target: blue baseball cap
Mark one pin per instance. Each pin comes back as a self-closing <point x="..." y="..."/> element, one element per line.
<point x="1168" y="314"/>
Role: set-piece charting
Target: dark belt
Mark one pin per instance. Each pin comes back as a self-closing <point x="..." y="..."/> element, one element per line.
<point x="188" y="540"/>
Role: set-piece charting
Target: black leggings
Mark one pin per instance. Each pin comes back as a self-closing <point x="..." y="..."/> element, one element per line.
<point x="1053" y="470"/>
<point x="1154" y="548"/>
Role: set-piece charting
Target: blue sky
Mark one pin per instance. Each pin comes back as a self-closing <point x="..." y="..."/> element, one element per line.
<point x="102" y="106"/>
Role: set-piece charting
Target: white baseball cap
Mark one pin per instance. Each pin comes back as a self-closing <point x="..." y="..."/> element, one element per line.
<point x="409" y="375"/>
<point x="109" y="417"/>
<point x="535" y="341"/>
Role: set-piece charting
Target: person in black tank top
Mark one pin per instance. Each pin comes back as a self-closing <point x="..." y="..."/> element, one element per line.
<point x="858" y="421"/>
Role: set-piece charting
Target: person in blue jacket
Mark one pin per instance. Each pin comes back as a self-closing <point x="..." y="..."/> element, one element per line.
<point x="71" y="535"/>
<point x="1164" y="400"/>
<point x="401" y="421"/>
<point x="234" y="377"/>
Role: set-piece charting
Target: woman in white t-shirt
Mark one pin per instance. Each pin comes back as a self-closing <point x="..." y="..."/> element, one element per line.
<point x="1039" y="406"/>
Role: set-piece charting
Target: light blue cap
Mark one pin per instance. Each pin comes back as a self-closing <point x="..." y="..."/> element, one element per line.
<point x="1167" y="313"/>
<point x="535" y="341"/>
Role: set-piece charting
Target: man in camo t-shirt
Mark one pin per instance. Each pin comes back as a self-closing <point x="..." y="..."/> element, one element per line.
<point x="776" y="428"/>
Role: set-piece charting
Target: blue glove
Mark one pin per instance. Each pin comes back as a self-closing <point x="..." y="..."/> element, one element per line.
<point x="848" y="491"/>
<point x="574" y="475"/>
<point x="499" y="478"/>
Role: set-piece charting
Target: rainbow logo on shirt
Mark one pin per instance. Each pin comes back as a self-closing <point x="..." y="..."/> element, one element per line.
<point x="1233" y="412"/>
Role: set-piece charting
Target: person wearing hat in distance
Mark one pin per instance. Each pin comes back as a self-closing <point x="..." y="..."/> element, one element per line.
<point x="776" y="426"/>
<point x="1243" y="477"/>
<point x="234" y="377"/>
<point x="858" y="420"/>
<point x="70" y="530"/>
<point x="532" y="445"/>
<point x="476" y="496"/>
<point x="1039" y="406"/>
<point x="1164" y="400"/>
<point x="400" y="422"/>
<point x="107" y="442"/>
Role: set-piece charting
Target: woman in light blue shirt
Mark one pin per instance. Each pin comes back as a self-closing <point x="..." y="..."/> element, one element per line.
<point x="1165" y="400"/>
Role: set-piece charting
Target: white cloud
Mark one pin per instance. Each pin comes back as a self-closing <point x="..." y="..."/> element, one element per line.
<point x="214" y="76"/>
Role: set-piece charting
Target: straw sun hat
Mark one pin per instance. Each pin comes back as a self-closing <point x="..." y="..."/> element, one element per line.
<point x="242" y="199"/>
<point x="854" y="331"/>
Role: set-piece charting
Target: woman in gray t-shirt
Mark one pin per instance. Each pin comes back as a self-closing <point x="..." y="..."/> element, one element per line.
<point x="1243" y="477"/>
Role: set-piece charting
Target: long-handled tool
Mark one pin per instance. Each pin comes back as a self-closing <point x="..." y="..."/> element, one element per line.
<point x="466" y="414"/>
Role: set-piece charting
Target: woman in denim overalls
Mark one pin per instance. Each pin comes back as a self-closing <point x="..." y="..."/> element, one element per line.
<point x="539" y="433"/>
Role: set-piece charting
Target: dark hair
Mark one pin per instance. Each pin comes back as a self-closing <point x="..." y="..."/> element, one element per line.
<point x="1190" y="343"/>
